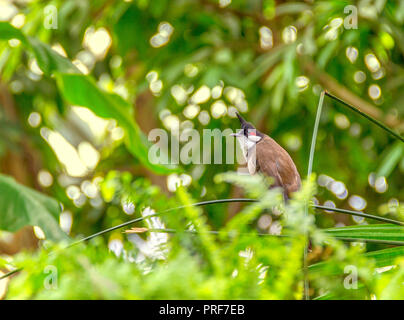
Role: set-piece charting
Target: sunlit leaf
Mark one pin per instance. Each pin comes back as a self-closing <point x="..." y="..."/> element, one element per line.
<point x="81" y="90"/>
<point x="391" y="159"/>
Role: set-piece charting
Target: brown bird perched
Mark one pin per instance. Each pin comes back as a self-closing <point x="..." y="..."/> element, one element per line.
<point x="264" y="155"/>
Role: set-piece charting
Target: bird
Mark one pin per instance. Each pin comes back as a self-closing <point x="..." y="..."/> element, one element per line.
<point x="264" y="155"/>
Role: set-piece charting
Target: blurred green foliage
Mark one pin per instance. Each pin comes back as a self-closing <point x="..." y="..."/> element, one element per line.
<point x="137" y="65"/>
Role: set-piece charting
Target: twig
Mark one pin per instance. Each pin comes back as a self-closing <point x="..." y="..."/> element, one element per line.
<point x="203" y="203"/>
<point x="8" y="274"/>
<point x="332" y="86"/>
<point x="389" y="242"/>
<point x="370" y="118"/>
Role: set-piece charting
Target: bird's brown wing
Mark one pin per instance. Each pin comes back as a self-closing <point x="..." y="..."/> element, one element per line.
<point x="274" y="161"/>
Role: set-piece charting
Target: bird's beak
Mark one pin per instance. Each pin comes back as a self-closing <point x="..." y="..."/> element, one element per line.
<point x="242" y="121"/>
<point x="237" y="134"/>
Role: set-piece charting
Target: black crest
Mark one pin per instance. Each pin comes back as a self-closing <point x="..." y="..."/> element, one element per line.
<point x="247" y="126"/>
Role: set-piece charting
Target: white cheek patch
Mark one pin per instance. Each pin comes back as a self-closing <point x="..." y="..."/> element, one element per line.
<point x="254" y="138"/>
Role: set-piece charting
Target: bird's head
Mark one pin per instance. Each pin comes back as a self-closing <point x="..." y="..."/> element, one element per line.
<point x="248" y="134"/>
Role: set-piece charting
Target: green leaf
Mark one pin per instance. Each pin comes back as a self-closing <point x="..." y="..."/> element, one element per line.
<point x="21" y="206"/>
<point x="291" y="8"/>
<point x="49" y="60"/>
<point x="388" y="232"/>
<point x="82" y="90"/>
<point x="382" y="232"/>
